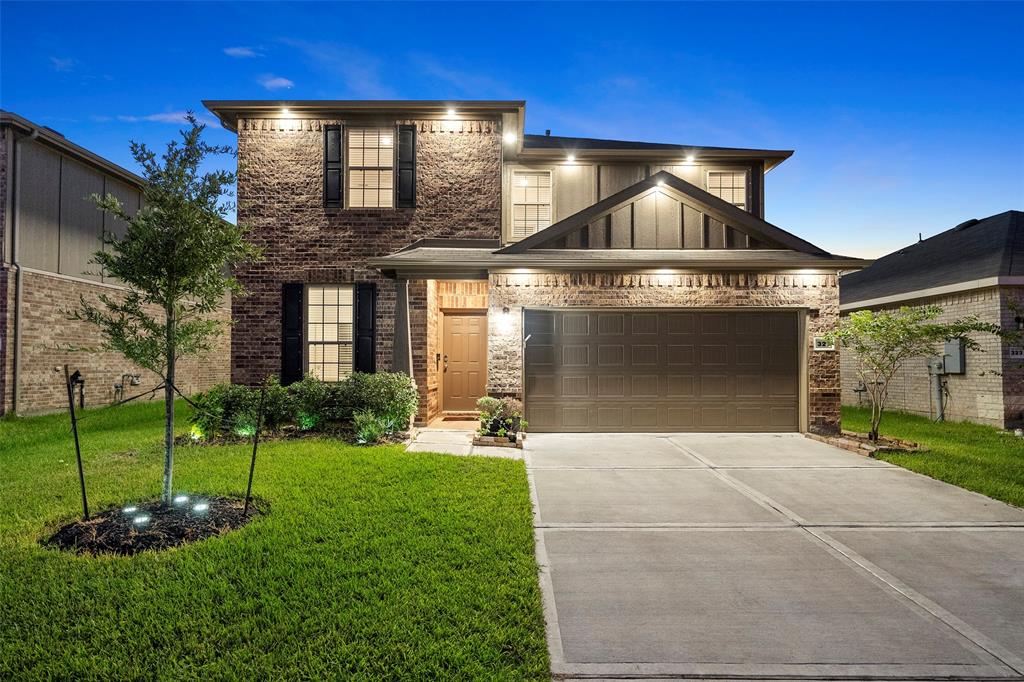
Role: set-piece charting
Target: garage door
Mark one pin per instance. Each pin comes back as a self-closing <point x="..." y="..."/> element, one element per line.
<point x="632" y="370"/>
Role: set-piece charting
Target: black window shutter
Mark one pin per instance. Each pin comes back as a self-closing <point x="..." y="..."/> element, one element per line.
<point x="291" y="333"/>
<point x="333" y="167"/>
<point x="406" y="185"/>
<point x="366" y="327"/>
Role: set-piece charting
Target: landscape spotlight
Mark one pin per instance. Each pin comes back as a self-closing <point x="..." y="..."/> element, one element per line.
<point x="181" y="499"/>
<point x="201" y="507"/>
<point x="139" y="520"/>
<point x="130" y="510"/>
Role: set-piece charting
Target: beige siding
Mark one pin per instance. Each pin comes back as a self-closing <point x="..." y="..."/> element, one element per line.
<point x="38" y="206"/>
<point x="81" y="223"/>
<point x="976" y="395"/>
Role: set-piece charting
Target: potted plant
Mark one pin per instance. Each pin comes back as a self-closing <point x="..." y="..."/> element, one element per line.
<point x="501" y="422"/>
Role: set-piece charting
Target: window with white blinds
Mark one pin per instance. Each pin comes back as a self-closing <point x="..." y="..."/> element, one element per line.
<point x="531" y="202"/>
<point x="371" y="167"/>
<point x="730" y="186"/>
<point x="329" y="316"/>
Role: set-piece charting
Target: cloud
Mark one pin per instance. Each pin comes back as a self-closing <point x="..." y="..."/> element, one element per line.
<point x="176" y="117"/>
<point x="272" y="82"/>
<point x="241" y="52"/>
<point x="463" y="82"/>
<point x="358" y="70"/>
<point x="63" y="64"/>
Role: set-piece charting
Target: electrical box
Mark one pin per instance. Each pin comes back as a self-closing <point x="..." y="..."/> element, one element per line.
<point x="954" y="356"/>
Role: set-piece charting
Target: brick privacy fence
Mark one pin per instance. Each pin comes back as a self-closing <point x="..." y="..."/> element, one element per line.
<point x="991" y="391"/>
<point x="505" y="362"/>
<point x="280" y="197"/>
<point x="49" y="340"/>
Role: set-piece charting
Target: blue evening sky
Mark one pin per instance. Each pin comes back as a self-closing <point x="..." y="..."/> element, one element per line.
<point x="905" y="118"/>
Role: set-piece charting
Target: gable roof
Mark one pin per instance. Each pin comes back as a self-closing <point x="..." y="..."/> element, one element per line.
<point x="973" y="250"/>
<point x="708" y="203"/>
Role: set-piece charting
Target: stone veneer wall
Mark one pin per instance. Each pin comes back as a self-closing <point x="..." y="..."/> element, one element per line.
<point x="713" y="290"/>
<point x="978" y="394"/>
<point x="49" y="340"/>
<point x="280" y="197"/>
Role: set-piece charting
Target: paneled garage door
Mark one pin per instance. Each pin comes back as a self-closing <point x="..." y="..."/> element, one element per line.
<point x="670" y="370"/>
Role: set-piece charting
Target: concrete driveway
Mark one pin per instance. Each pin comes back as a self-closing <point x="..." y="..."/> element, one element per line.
<point x="746" y="556"/>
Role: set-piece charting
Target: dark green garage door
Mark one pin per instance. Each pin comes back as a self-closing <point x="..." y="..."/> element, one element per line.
<point x="630" y="370"/>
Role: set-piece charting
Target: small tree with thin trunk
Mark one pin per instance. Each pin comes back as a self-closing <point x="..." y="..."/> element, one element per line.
<point x="174" y="260"/>
<point x="883" y="341"/>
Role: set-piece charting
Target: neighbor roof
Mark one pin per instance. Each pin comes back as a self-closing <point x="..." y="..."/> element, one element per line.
<point x="56" y="140"/>
<point x="975" y="251"/>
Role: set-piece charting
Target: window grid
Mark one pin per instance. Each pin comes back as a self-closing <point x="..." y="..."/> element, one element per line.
<point x="329" y="315"/>
<point x="730" y="186"/>
<point x="531" y="202"/>
<point x="371" y="167"/>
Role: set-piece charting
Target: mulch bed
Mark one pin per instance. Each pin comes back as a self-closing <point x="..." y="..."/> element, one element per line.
<point x="154" y="525"/>
<point x="345" y="434"/>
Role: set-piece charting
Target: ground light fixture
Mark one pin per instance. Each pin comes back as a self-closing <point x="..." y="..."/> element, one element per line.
<point x="181" y="499"/>
<point x="141" y="520"/>
<point x="200" y="507"/>
<point x="130" y="509"/>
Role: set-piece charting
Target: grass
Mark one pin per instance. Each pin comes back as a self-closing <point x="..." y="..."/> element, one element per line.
<point x="979" y="458"/>
<point x="372" y="563"/>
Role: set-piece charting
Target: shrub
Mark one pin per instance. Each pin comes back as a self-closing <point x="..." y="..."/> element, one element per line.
<point x="369" y="427"/>
<point x="384" y="393"/>
<point x="310" y="404"/>
<point x="500" y="417"/>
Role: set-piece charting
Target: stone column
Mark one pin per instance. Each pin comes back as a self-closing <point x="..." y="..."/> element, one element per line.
<point x="401" y="360"/>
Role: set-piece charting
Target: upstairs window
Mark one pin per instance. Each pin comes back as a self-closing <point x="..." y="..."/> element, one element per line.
<point x="531" y="202"/>
<point x="329" y="315"/>
<point x="371" y="167"/>
<point x="730" y="186"/>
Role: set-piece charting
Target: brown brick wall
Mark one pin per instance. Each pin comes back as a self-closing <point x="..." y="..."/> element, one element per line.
<point x="280" y="197"/>
<point x="49" y="340"/>
<point x="717" y="290"/>
<point x="978" y="394"/>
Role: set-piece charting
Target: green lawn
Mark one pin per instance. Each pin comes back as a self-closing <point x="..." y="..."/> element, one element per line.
<point x="372" y="563"/>
<point x="972" y="456"/>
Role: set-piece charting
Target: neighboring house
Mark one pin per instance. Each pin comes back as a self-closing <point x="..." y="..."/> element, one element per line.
<point x="975" y="268"/>
<point x="613" y="286"/>
<point x="48" y="232"/>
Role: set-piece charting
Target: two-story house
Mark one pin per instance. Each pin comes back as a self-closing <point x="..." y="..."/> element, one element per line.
<point x="612" y="286"/>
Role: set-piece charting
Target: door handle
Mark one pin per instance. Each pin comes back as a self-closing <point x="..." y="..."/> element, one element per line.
<point x="445" y="362"/>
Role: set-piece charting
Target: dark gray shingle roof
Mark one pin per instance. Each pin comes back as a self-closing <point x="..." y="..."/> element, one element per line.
<point x="589" y="143"/>
<point x="976" y="249"/>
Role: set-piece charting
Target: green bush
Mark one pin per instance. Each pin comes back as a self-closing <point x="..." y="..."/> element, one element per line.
<point x="310" y="405"/>
<point x="369" y="427"/>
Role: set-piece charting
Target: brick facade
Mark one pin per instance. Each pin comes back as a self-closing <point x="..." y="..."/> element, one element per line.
<point x="280" y="197"/>
<point x="991" y="391"/>
<point x="49" y="340"/>
<point x="713" y="290"/>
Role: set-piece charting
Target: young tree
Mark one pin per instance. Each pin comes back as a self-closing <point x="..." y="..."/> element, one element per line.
<point x="174" y="260"/>
<point x="883" y="341"/>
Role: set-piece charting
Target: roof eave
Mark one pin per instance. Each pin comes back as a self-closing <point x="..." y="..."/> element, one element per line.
<point x="229" y="111"/>
<point x="771" y="157"/>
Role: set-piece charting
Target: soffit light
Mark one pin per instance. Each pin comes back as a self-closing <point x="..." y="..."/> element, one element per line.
<point x="690" y="158"/>
<point x="571" y="158"/>
<point x="451" y="112"/>
<point x="285" y="112"/>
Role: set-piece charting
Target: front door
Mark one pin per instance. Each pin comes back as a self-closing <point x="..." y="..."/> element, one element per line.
<point x="464" y="360"/>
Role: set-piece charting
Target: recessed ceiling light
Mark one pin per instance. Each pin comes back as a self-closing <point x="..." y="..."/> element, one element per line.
<point x="690" y="158"/>
<point x="451" y="112"/>
<point x="570" y="158"/>
<point x="661" y="183"/>
<point x="285" y="112"/>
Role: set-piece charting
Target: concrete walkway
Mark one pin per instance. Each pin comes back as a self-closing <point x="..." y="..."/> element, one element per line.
<point x="755" y="556"/>
<point x="456" y="441"/>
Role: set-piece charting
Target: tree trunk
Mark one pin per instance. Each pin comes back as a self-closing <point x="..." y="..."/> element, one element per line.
<point x="169" y="408"/>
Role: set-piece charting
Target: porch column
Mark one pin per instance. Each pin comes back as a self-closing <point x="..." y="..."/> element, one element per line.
<point x="401" y="359"/>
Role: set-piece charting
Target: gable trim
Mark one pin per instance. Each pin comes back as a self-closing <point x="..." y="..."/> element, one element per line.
<point x="714" y="207"/>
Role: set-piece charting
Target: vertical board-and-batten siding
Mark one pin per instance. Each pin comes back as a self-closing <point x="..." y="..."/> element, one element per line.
<point x="58" y="224"/>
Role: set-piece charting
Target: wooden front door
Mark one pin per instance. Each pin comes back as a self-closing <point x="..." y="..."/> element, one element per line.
<point x="464" y="360"/>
